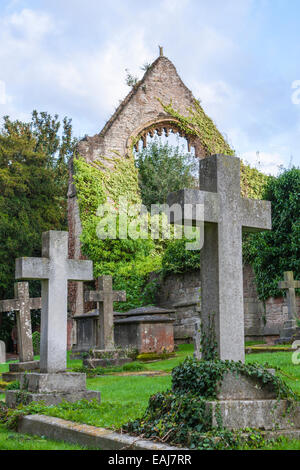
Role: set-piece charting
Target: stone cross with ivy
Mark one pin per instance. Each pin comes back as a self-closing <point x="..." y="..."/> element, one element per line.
<point x="105" y="296"/>
<point x="290" y="285"/>
<point x="22" y="304"/>
<point x="226" y="215"/>
<point x="54" y="269"/>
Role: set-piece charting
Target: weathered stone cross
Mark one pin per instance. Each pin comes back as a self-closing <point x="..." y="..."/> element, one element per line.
<point x="290" y="284"/>
<point x="105" y="297"/>
<point x="22" y="304"/>
<point x="226" y="213"/>
<point x="54" y="269"/>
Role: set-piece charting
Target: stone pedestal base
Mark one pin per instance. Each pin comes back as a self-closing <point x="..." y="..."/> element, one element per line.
<point x="107" y="358"/>
<point x="17" y="369"/>
<point x="258" y="414"/>
<point x="289" y="332"/>
<point x="51" y="389"/>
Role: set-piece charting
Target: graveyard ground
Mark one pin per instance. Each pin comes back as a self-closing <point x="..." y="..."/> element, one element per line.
<point x="125" y="395"/>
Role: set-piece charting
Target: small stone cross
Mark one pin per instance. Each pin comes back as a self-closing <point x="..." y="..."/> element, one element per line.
<point x="290" y="285"/>
<point x="105" y="297"/>
<point x="54" y="269"/>
<point x="23" y="304"/>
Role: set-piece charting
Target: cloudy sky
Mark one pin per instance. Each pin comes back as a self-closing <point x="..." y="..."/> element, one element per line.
<point x="239" y="57"/>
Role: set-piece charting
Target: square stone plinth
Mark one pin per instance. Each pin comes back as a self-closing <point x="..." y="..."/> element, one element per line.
<point x="242" y="387"/>
<point x="258" y="414"/>
<point x="66" y="382"/>
<point x="13" y="398"/>
<point x="23" y="366"/>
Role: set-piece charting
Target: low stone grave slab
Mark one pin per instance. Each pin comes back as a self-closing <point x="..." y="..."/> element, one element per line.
<point x="85" y="435"/>
<point x="51" y="389"/>
<point x="107" y="358"/>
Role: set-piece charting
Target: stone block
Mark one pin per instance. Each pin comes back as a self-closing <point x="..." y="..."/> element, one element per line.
<point x="2" y="352"/>
<point x="24" y="366"/>
<point x="12" y="376"/>
<point x="89" y="362"/>
<point x="14" y="397"/>
<point x="239" y="387"/>
<point x="258" y="414"/>
<point x="66" y="382"/>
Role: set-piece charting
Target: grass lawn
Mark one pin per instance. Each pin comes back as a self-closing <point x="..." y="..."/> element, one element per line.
<point x="10" y="440"/>
<point x="125" y="398"/>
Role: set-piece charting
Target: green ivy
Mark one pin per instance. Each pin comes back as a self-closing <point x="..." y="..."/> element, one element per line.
<point x="198" y="124"/>
<point x="180" y="416"/>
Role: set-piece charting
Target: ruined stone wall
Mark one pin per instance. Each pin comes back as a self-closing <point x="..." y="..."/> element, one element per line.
<point x="182" y="292"/>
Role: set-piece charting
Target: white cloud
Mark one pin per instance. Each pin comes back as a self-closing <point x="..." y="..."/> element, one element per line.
<point x="268" y="163"/>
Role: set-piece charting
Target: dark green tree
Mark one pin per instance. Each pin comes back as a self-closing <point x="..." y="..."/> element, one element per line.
<point x="271" y="253"/>
<point x="33" y="189"/>
<point x="163" y="169"/>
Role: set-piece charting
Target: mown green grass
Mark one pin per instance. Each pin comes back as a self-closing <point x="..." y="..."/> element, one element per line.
<point x="10" y="440"/>
<point x="125" y="398"/>
<point x="283" y="360"/>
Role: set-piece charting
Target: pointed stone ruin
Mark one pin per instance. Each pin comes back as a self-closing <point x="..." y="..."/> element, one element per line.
<point x="139" y="116"/>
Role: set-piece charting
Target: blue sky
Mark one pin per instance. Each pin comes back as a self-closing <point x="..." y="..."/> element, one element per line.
<point x="239" y="57"/>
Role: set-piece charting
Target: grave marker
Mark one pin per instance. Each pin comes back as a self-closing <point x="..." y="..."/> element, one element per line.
<point x="54" y="269"/>
<point x="22" y="304"/>
<point x="105" y="297"/>
<point x="226" y="214"/>
<point x="290" y="326"/>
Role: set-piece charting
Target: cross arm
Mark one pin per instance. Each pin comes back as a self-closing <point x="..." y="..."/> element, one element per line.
<point x="187" y="201"/>
<point x="8" y="305"/>
<point x="80" y="270"/>
<point x="255" y="215"/>
<point x="32" y="268"/>
<point x="288" y="285"/>
<point x="98" y="296"/>
<point x="36" y="303"/>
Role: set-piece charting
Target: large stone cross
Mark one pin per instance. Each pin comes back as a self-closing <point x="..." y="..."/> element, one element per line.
<point x="290" y="284"/>
<point x="23" y="304"/>
<point x="54" y="269"/>
<point x="105" y="297"/>
<point x="226" y="213"/>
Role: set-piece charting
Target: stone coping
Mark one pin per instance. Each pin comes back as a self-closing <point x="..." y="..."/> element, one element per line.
<point x="85" y="435"/>
<point x="145" y="319"/>
<point x="105" y="439"/>
<point x="148" y="310"/>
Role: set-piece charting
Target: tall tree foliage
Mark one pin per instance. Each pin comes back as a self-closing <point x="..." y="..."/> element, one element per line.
<point x="272" y="253"/>
<point x="163" y="169"/>
<point x="33" y="187"/>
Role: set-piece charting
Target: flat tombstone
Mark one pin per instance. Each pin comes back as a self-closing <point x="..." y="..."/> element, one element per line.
<point x="2" y="352"/>
<point x="54" y="269"/>
<point x="226" y="214"/>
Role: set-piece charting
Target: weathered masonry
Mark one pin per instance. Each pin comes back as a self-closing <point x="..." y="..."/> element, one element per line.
<point x="140" y="115"/>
